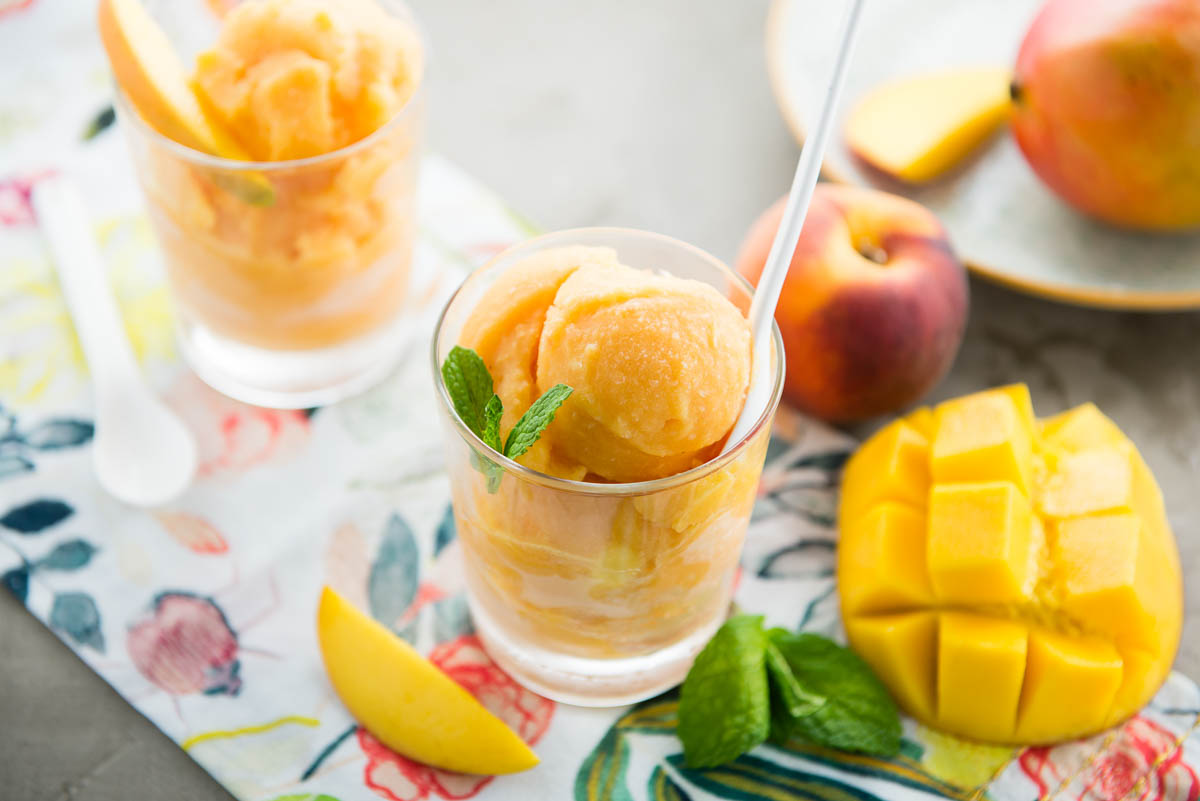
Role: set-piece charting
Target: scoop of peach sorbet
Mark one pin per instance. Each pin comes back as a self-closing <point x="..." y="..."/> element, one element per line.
<point x="297" y="78"/>
<point x="659" y="364"/>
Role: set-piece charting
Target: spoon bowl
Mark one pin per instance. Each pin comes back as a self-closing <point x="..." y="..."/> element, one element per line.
<point x="142" y="453"/>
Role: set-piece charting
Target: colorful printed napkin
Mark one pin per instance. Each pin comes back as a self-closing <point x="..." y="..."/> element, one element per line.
<point x="201" y="614"/>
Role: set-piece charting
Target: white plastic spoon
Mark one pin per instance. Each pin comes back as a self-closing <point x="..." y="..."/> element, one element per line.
<point x="766" y="296"/>
<point x="142" y="453"/>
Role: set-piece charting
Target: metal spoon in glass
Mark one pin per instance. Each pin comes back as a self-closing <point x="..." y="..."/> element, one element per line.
<point x="766" y="295"/>
<point x="142" y="453"/>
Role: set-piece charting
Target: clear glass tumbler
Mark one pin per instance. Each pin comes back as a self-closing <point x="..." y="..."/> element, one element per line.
<point x="290" y="279"/>
<point x="591" y="593"/>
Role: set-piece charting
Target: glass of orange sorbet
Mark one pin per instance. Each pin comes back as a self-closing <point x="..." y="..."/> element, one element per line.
<point x="289" y="266"/>
<point x="600" y="562"/>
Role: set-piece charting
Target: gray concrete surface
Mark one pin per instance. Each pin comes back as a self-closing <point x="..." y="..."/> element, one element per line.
<point x="655" y="115"/>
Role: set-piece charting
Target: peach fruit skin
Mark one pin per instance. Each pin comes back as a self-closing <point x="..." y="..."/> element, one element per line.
<point x="1108" y="108"/>
<point x="863" y="338"/>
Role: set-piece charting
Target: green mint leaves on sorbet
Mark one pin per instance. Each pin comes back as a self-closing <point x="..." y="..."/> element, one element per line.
<point x="473" y="394"/>
<point x="469" y="384"/>
<point x="534" y="421"/>
<point x="493" y="410"/>
<point x="749" y="684"/>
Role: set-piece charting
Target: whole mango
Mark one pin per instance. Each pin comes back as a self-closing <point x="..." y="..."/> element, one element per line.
<point x="1107" y="108"/>
<point x="1010" y="580"/>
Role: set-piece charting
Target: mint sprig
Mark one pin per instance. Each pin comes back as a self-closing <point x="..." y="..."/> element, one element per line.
<point x="748" y="684"/>
<point x="493" y="410"/>
<point x="858" y="714"/>
<point x="789" y="699"/>
<point x="472" y="392"/>
<point x="470" y="386"/>
<point x="531" y="425"/>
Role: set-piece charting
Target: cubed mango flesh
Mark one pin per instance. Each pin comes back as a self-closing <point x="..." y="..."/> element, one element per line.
<point x="980" y="669"/>
<point x="1083" y="427"/>
<point x="1087" y="482"/>
<point x="978" y="543"/>
<point x="1069" y="686"/>
<point x="987" y="436"/>
<point x="891" y="466"/>
<point x="907" y="643"/>
<point x="883" y="566"/>
<point x="1010" y="580"/>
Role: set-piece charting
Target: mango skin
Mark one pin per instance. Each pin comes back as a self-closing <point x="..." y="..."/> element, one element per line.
<point x="1107" y="108"/>
<point x="1032" y="593"/>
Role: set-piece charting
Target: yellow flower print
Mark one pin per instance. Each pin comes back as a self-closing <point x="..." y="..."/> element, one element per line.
<point x="39" y="354"/>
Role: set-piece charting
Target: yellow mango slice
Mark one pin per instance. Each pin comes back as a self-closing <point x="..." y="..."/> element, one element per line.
<point x="892" y="466"/>
<point x="917" y="128"/>
<point x="1077" y="569"/>
<point x="980" y="544"/>
<point x="983" y="437"/>
<point x="406" y="702"/>
<point x="882" y="568"/>
<point x="151" y="75"/>
<point x="1070" y="683"/>
<point x="980" y="669"/>
<point x="902" y="650"/>
<point x="1087" y="482"/>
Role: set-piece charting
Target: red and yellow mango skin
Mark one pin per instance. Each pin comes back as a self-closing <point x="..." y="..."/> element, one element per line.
<point x="1107" y="108"/>
<point x="874" y="305"/>
<point x="1010" y="580"/>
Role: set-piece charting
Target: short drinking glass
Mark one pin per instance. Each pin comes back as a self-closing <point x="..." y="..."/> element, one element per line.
<point x="596" y="593"/>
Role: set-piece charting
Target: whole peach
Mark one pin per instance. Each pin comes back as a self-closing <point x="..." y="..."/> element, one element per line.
<point x="874" y="305"/>
<point x="1107" y="108"/>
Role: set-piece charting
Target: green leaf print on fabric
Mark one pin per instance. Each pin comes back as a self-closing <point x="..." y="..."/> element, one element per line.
<point x="750" y="778"/>
<point x="392" y="584"/>
<point x="663" y="788"/>
<point x="602" y="775"/>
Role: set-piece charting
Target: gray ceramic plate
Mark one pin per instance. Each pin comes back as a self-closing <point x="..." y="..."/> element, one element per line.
<point x="1003" y="222"/>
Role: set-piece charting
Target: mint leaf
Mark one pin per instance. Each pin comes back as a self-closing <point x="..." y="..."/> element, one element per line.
<point x="724" y="703"/>
<point x="534" y="421"/>
<point x="789" y="700"/>
<point x="494" y="473"/>
<point x="491" y="471"/>
<point x="471" y="390"/>
<point x="493" y="410"/>
<point x="858" y="714"/>
<point x="469" y="385"/>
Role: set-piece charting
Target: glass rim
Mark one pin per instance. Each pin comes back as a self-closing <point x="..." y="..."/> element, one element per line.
<point x="127" y="110"/>
<point x="617" y="488"/>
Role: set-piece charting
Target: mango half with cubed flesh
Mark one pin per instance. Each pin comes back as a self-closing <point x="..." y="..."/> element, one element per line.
<point x="1010" y="580"/>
